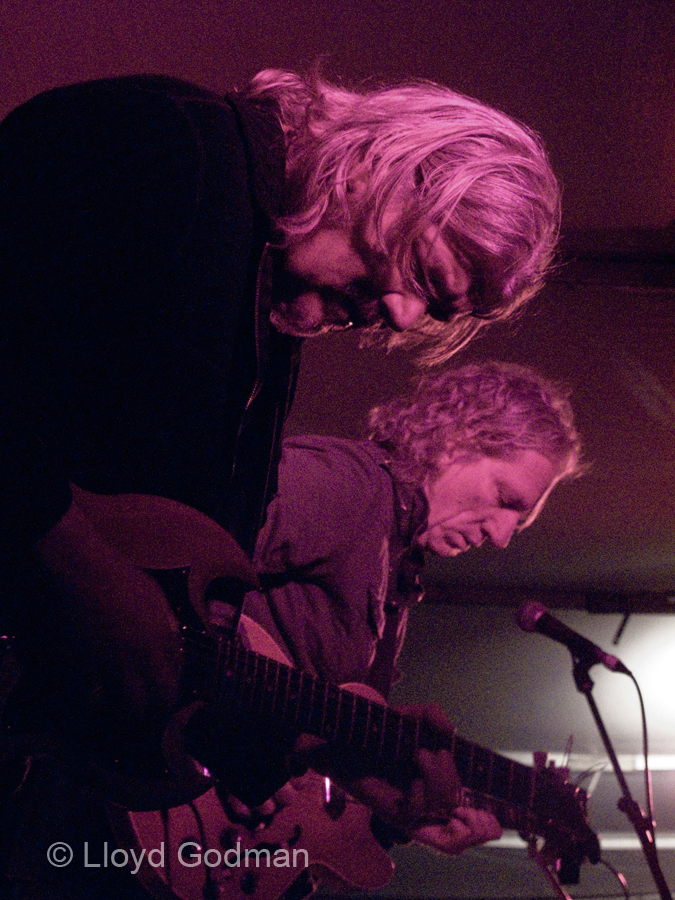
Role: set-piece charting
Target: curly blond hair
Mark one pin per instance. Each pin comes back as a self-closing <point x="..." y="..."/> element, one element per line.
<point x="481" y="409"/>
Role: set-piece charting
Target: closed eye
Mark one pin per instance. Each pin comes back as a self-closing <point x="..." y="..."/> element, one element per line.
<point x="360" y="289"/>
<point x="516" y="504"/>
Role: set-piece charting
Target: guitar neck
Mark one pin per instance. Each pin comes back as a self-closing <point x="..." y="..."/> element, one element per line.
<point x="383" y="738"/>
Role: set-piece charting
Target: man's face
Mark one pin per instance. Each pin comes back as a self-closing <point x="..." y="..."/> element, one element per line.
<point x="335" y="278"/>
<point x="484" y="498"/>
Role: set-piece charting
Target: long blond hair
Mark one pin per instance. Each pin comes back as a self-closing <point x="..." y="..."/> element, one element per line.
<point x="481" y="177"/>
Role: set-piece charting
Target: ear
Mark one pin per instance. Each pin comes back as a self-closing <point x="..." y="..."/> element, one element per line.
<point x="440" y="464"/>
<point x="358" y="180"/>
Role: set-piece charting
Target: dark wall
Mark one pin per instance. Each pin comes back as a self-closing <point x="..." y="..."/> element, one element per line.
<point x="596" y="77"/>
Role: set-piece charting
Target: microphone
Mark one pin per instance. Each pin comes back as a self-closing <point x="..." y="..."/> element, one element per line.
<point x="533" y="616"/>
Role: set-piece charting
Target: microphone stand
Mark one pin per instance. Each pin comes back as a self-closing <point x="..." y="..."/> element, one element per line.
<point x="643" y="828"/>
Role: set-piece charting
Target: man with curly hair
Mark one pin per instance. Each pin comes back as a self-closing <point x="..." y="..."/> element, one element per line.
<point x="468" y="458"/>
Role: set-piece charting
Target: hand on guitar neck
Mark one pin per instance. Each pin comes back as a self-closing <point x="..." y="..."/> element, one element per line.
<point x="428" y="809"/>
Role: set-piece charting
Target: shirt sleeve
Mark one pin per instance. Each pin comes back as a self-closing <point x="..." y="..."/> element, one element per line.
<point x="325" y="499"/>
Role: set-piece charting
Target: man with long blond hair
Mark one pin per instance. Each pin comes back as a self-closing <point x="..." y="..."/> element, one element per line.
<point x="164" y="249"/>
<point x="449" y="205"/>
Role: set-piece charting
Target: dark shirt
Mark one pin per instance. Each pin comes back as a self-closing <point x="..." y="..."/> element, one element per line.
<point x="337" y="549"/>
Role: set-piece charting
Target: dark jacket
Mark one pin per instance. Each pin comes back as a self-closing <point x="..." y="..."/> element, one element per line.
<point x="134" y="213"/>
<point x="135" y="356"/>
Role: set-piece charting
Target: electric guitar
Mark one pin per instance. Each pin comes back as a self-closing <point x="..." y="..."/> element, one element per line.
<point x="310" y="832"/>
<point x="315" y="832"/>
<point x="159" y="534"/>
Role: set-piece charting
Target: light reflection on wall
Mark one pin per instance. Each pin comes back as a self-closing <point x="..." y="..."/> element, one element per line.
<point x="652" y="653"/>
<point x="647" y="648"/>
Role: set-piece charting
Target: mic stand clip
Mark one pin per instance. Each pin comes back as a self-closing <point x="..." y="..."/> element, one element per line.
<point x="536" y="854"/>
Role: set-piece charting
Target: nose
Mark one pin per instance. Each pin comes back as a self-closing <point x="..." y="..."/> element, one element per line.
<point x="501" y="527"/>
<point x="402" y="309"/>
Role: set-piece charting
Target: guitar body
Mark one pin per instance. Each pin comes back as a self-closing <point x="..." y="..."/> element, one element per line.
<point x="315" y="829"/>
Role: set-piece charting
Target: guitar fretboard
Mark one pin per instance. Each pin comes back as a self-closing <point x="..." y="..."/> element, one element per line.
<point x="519" y="796"/>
